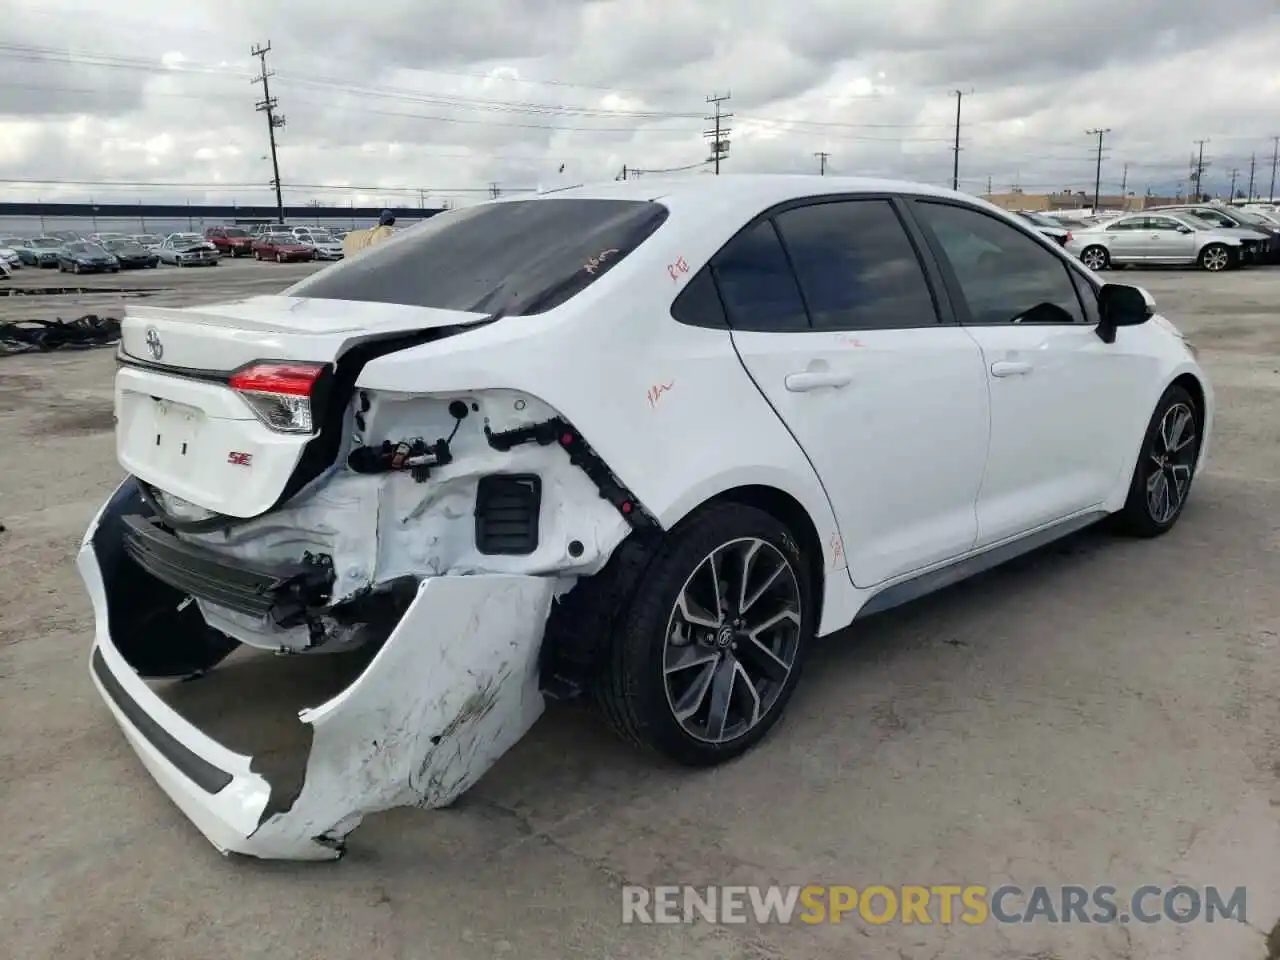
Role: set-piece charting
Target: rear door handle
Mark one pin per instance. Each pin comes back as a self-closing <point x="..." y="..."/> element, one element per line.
<point x="802" y="382"/>
<point x="1010" y="368"/>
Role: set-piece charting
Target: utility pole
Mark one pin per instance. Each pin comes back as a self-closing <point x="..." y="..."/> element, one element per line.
<point x="719" y="134"/>
<point x="955" y="160"/>
<point x="623" y="174"/>
<point x="1231" y="195"/>
<point x="1197" y="172"/>
<point x="494" y="191"/>
<point x="1124" y="184"/>
<point x="1097" y="176"/>
<point x="822" y="163"/>
<point x="268" y="105"/>
<point x="988" y="185"/>
<point x="1275" y="155"/>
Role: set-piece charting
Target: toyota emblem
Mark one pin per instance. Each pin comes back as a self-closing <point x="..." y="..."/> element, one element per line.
<point x="154" y="345"/>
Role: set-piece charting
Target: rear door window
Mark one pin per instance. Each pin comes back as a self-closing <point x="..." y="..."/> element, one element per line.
<point x="519" y="258"/>
<point x="856" y="266"/>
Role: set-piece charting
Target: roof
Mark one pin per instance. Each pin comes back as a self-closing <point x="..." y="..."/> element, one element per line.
<point x="752" y="189"/>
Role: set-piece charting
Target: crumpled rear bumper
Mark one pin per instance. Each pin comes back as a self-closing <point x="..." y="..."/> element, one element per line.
<point x="452" y="689"/>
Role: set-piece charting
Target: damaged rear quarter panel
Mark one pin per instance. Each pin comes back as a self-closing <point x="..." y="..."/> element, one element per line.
<point x="453" y="688"/>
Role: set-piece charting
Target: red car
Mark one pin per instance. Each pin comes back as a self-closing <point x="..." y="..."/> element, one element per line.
<point x="230" y="241"/>
<point x="282" y="248"/>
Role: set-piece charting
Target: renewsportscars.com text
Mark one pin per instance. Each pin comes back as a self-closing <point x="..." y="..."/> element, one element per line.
<point x="933" y="904"/>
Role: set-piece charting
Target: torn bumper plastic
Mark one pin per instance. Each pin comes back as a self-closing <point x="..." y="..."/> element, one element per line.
<point x="453" y="687"/>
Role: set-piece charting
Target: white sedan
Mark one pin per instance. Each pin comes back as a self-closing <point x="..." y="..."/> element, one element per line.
<point x="644" y="442"/>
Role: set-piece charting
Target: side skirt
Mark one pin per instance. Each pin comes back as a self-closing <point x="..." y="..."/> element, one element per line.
<point x="933" y="580"/>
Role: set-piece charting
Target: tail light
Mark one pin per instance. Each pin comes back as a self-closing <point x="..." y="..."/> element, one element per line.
<point x="1067" y="238"/>
<point x="279" y="394"/>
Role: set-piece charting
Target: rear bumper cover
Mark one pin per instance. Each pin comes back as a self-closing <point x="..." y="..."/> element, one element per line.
<point x="452" y="689"/>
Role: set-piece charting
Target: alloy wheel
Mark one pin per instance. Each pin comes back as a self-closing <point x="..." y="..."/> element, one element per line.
<point x="732" y="640"/>
<point x="1216" y="259"/>
<point x="1094" y="259"/>
<point x="1170" y="463"/>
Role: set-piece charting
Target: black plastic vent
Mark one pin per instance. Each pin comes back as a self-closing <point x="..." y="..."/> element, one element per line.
<point x="507" y="509"/>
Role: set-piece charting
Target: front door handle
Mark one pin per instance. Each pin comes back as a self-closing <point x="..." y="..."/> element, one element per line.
<point x="1010" y="368"/>
<point x="802" y="382"/>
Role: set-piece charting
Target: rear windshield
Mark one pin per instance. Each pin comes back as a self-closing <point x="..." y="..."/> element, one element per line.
<point x="519" y="257"/>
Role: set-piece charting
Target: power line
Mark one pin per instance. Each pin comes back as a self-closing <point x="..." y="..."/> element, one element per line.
<point x="268" y="106"/>
<point x="1197" y="170"/>
<point x="1097" y="176"/>
<point x="1275" y="156"/>
<point x="955" y="163"/>
<point x="719" y="135"/>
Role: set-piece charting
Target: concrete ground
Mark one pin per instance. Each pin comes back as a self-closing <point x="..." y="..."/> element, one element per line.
<point x="1102" y="712"/>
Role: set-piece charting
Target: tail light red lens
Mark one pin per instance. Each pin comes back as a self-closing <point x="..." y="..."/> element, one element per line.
<point x="280" y="394"/>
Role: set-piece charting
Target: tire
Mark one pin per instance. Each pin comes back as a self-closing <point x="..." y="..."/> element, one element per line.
<point x="279" y="258"/>
<point x="1098" y="255"/>
<point x="1151" y="516"/>
<point x="1216" y="258"/>
<point x="635" y="692"/>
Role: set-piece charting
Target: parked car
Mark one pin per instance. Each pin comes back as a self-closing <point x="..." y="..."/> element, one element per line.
<point x="230" y="241"/>
<point x="325" y="246"/>
<point x="187" y="250"/>
<point x="148" y="240"/>
<point x="131" y="254"/>
<point x="308" y="500"/>
<point x="1155" y="240"/>
<point x="1255" y="245"/>
<point x="40" y="251"/>
<point x="6" y="272"/>
<point x="67" y="236"/>
<point x="282" y="248"/>
<point x="85" y="257"/>
<point x="1046" y="225"/>
<point x="9" y="257"/>
<point x="1255" y="227"/>
<point x="102" y="238"/>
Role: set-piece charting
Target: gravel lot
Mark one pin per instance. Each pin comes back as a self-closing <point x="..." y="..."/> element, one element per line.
<point x="1099" y="712"/>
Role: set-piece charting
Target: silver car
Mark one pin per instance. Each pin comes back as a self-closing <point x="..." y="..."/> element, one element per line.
<point x="1257" y="232"/>
<point x="1156" y="240"/>
<point x="187" y="250"/>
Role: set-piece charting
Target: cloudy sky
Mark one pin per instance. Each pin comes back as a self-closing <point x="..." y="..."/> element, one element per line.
<point x="406" y="101"/>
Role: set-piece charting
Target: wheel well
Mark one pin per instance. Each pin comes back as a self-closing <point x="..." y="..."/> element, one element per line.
<point x="1193" y="386"/>
<point x="581" y="619"/>
<point x="786" y="509"/>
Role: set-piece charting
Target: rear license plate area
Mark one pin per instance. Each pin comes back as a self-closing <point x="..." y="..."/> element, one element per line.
<point x="165" y="433"/>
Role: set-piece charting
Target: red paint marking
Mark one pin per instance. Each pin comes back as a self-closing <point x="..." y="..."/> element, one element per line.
<point x="837" y="548"/>
<point x="596" y="262"/>
<point x="676" y="270"/>
<point x="852" y="341"/>
<point x="657" y="390"/>
<point x="239" y="459"/>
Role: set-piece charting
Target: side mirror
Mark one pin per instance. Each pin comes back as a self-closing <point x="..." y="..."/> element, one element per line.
<point x="1120" y="305"/>
<point x="1184" y="229"/>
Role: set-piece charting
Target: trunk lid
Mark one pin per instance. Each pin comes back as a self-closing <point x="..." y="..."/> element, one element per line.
<point x="182" y="428"/>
